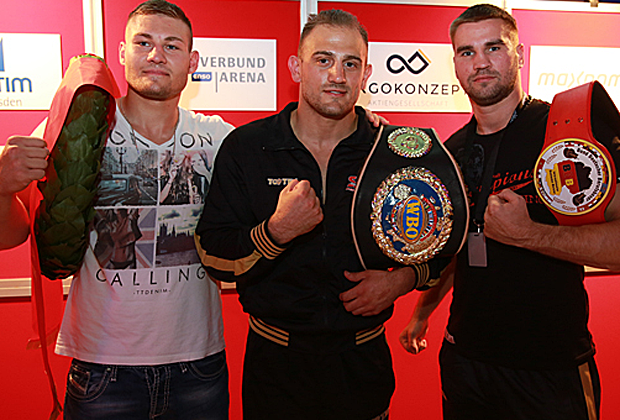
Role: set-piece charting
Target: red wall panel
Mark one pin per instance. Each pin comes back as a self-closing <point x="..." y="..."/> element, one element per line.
<point x="23" y="387"/>
<point x="572" y="29"/>
<point x="33" y="16"/>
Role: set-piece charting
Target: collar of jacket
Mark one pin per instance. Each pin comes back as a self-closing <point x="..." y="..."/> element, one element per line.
<point x="363" y="137"/>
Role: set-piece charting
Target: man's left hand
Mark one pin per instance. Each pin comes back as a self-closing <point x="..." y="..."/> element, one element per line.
<point x="374" y="119"/>
<point x="506" y="218"/>
<point x="376" y="290"/>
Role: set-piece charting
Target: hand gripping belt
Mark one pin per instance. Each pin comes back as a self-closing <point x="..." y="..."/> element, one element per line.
<point x="575" y="175"/>
<point x="410" y="203"/>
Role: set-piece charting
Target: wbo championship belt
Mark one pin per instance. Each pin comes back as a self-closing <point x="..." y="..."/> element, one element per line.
<point x="410" y="204"/>
<point x="575" y="175"/>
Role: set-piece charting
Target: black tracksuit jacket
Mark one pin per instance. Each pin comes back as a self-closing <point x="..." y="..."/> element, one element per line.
<point x="294" y="287"/>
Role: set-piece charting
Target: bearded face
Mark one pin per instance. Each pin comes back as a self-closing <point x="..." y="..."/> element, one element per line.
<point x="487" y="60"/>
<point x="493" y="91"/>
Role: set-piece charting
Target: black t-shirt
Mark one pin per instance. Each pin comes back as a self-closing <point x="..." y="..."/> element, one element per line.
<point x="524" y="310"/>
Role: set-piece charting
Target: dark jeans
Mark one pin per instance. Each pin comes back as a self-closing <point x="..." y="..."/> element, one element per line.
<point x="196" y="390"/>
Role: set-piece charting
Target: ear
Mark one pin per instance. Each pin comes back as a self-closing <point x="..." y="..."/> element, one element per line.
<point x="121" y="53"/>
<point x="294" y="66"/>
<point x="194" y="59"/>
<point x="521" y="54"/>
<point x="367" y="74"/>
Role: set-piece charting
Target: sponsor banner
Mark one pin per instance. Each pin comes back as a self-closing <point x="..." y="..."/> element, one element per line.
<point x="30" y="70"/>
<point x="233" y="74"/>
<point x="413" y="78"/>
<point x="555" y="69"/>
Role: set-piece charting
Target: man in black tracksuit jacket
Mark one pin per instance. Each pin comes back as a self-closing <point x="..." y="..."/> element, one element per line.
<point x="277" y="222"/>
<point x="292" y="291"/>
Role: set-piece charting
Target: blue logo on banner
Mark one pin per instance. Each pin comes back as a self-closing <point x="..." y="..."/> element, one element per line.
<point x="1" y="56"/>
<point x="15" y="83"/>
<point x="202" y="76"/>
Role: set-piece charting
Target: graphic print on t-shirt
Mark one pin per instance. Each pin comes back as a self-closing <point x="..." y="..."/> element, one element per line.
<point x="175" y="237"/>
<point x="125" y="238"/>
<point x="184" y="177"/>
<point x="128" y="177"/>
<point x="518" y="180"/>
<point x="146" y="211"/>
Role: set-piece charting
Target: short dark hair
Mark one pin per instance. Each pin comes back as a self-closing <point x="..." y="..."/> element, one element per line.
<point x="162" y="7"/>
<point x="333" y="17"/>
<point x="481" y="12"/>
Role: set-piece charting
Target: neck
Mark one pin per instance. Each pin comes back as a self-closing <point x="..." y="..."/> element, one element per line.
<point x="493" y="118"/>
<point x="312" y="128"/>
<point x="154" y="120"/>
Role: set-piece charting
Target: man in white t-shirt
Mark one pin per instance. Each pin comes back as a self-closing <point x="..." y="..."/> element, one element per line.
<point x="143" y="320"/>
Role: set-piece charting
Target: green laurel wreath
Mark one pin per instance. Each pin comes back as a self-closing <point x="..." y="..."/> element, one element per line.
<point x="70" y="185"/>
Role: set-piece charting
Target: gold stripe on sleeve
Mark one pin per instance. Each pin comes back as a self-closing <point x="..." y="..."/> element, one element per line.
<point x="264" y="244"/>
<point x="237" y="267"/>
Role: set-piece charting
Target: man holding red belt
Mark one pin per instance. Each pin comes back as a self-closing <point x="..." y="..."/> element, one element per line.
<point x="517" y="342"/>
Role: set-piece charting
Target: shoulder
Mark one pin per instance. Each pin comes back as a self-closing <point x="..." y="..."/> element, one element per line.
<point x="257" y="126"/>
<point x="213" y="124"/>
<point x="532" y="120"/>
<point x="244" y="143"/>
<point x="540" y="104"/>
<point x="265" y="130"/>
<point x="364" y="126"/>
<point x="458" y="135"/>
<point x="537" y="108"/>
<point x="457" y="140"/>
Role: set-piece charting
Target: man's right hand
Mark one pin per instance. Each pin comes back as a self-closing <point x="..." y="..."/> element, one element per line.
<point x="22" y="161"/>
<point x="298" y="212"/>
<point x="412" y="337"/>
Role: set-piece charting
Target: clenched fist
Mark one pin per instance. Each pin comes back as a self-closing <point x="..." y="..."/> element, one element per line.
<point x="506" y="218"/>
<point x="298" y="212"/>
<point x="22" y="161"/>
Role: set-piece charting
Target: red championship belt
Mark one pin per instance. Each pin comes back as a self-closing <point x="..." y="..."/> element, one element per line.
<point x="575" y="175"/>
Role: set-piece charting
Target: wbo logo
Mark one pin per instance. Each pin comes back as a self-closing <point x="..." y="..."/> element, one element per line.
<point x="412" y="219"/>
<point x="415" y="64"/>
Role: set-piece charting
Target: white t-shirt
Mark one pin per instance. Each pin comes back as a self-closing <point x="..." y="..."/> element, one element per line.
<point x="141" y="296"/>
